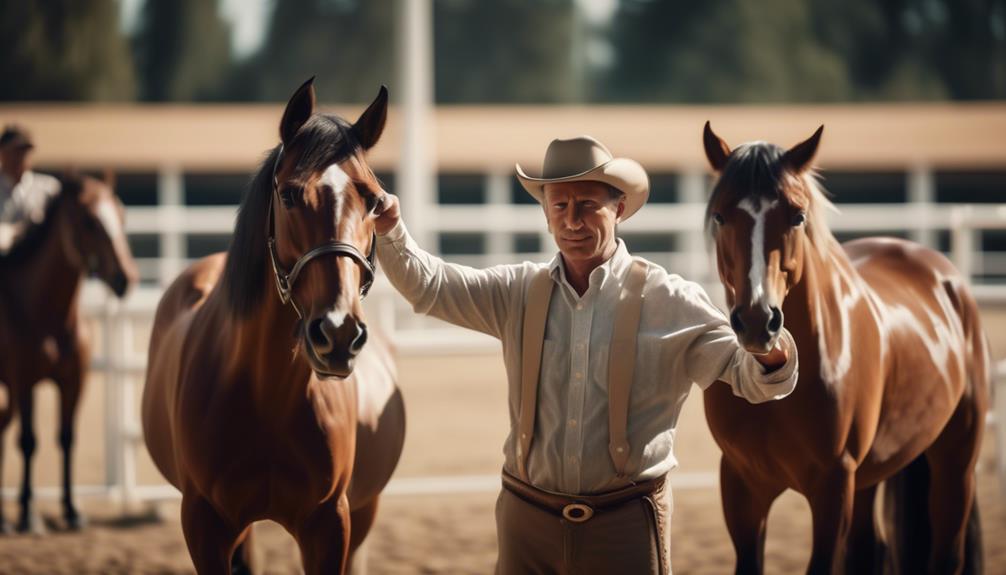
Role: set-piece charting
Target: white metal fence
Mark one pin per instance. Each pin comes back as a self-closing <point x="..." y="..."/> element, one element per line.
<point x="123" y="366"/>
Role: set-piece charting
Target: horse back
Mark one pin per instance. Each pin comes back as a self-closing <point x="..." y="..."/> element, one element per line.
<point x="172" y="321"/>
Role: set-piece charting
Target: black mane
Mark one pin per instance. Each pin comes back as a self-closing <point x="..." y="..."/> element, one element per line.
<point x="752" y="169"/>
<point x="322" y="141"/>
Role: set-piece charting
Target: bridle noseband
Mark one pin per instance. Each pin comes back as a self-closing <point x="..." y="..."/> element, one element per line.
<point x="285" y="281"/>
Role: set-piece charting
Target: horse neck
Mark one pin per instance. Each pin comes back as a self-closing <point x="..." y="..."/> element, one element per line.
<point x="266" y="339"/>
<point x="816" y="308"/>
<point x="52" y="277"/>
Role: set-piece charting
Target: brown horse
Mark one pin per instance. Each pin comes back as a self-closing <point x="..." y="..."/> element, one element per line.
<point x="893" y="369"/>
<point x="40" y="333"/>
<point x="256" y="409"/>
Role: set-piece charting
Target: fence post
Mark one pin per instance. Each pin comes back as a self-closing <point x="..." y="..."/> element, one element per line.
<point x="113" y="401"/>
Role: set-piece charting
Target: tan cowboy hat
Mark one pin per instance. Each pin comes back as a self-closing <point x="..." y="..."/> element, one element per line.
<point x="586" y="159"/>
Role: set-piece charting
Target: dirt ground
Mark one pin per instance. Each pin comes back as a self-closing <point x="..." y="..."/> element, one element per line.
<point x="457" y="422"/>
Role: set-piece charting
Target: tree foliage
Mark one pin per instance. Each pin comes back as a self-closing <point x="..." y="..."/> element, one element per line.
<point x="63" y="50"/>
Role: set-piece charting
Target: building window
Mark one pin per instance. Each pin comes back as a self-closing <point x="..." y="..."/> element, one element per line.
<point x="462" y="243"/>
<point x="455" y="189"/>
<point x="663" y="189"/>
<point x="977" y="187"/>
<point x="649" y="242"/>
<point x="136" y="188"/>
<point x="215" y="189"/>
<point x="866" y="187"/>
<point x="201" y="245"/>
<point x="145" y="245"/>
<point x="527" y="243"/>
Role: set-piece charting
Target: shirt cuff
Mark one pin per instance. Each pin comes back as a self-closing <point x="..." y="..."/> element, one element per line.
<point x="395" y="235"/>
<point x="780" y="382"/>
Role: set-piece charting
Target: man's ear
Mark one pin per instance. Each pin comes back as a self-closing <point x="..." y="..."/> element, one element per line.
<point x="620" y="210"/>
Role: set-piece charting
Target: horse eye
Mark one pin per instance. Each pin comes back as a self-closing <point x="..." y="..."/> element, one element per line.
<point x="799" y="219"/>
<point x="718" y="219"/>
<point x="286" y="195"/>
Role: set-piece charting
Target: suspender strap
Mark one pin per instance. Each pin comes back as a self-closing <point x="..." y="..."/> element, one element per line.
<point x="535" y="314"/>
<point x="621" y="363"/>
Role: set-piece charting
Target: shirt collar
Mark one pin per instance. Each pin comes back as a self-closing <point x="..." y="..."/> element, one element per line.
<point x="615" y="267"/>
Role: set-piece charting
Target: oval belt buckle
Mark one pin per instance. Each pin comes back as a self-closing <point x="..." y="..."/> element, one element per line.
<point x="577" y="512"/>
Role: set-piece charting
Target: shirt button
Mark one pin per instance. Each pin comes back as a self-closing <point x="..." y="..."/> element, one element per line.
<point x="579" y="375"/>
<point x="572" y="460"/>
<point x="579" y="346"/>
<point x="572" y="423"/>
<point x="579" y="306"/>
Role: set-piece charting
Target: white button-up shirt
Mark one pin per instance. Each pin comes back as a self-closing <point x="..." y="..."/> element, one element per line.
<point x="23" y="204"/>
<point x="683" y="339"/>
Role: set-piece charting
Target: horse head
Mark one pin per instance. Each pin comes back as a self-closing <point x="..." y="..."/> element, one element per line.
<point x="95" y="238"/>
<point x="321" y="237"/>
<point x="761" y="215"/>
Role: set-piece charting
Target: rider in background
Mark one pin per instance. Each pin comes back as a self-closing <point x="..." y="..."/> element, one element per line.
<point x="24" y="194"/>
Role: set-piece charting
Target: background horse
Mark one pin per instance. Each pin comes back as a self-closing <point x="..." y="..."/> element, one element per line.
<point x="256" y="409"/>
<point x="40" y="333"/>
<point x="893" y="368"/>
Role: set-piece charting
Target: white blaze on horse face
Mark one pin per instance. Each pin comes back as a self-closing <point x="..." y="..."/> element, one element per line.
<point x="108" y="215"/>
<point x="335" y="178"/>
<point x="757" y="274"/>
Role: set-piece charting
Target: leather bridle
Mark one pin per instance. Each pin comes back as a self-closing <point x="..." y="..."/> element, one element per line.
<point x="285" y="280"/>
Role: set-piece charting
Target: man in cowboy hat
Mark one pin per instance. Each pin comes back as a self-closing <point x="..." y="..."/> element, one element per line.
<point x="23" y="193"/>
<point x="601" y="349"/>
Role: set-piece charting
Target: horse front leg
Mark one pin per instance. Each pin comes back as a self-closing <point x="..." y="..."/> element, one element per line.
<point x="30" y="521"/>
<point x="324" y="538"/>
<point x="831" y="505"/>
<point x="865" y="553"/>
<point x="6" y="415"/>
<point x="70" y="388"/>
<point x="211" y="539"/>
<point x="745" y="509"/>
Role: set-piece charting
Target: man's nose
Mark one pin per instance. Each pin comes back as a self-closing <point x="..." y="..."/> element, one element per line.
<point x="573" y="220"/>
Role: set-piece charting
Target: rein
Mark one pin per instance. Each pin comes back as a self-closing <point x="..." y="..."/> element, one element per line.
<point x="285" y="280"/>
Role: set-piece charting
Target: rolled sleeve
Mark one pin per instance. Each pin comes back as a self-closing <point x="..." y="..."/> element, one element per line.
<point x="748" y="378"/>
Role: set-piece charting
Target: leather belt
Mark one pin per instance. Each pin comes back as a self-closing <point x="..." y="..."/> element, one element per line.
<point x="579" y="508"/>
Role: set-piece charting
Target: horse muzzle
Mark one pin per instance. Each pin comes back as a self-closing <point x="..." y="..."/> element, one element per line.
<point x="757" y="326"/>
<point x="333" y="341"/>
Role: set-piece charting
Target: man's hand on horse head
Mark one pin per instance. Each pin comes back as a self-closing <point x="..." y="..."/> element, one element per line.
<point x="386" y="212"/>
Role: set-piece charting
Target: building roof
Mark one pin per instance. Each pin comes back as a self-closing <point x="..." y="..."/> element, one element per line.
<point x="491" y="138"/>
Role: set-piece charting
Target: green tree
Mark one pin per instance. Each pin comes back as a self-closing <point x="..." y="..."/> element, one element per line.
<point x="721" y="51"/>
<point x="63" y="50"/>
<point x="348" y="44"/>
<point x="508" y="51"/>
<point x="183" y="50"/>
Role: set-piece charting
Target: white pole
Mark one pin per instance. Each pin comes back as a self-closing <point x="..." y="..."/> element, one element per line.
<point x="170" y="196"/>
<point x="416" y="165"/>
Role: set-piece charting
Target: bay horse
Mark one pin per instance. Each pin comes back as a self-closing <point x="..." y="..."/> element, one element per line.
<point x="41" y="336"/>
<point x="893" y="362"/>
<point x="262" y="400"/>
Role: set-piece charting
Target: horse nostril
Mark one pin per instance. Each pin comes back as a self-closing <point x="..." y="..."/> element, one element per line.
<point x="318" y="335"/>
<point x="361" y="338"/>
<point x="775" y="322"/>
<point x="735" y="321"/>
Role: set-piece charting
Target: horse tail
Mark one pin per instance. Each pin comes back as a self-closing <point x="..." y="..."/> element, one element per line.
<point x="980" y="390"/>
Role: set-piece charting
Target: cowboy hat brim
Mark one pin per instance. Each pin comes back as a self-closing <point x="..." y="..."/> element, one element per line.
<point x="621" y="173"/>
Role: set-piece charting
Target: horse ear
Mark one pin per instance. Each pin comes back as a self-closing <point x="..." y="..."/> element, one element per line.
<point x="717" y="151"/>
<point x="798" y="157"/>
<point x="298" y="110"/>
<point x="108" y="176"/>
<point x="369" y="127"/>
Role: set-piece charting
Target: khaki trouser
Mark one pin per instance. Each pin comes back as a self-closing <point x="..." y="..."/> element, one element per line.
<point x="627" y="539"/>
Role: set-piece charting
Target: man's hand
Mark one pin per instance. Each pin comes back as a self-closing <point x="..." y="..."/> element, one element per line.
<point x="387" y="213"/>
<point x="772" y="360"/>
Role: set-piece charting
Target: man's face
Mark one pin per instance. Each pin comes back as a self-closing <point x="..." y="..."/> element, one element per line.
<point x="582" y="218"/>
<point x="15" y="160"/>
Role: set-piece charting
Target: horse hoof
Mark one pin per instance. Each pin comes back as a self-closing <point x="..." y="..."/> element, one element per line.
<point x="75" y="522"/>
<point x="31" y="524"/>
